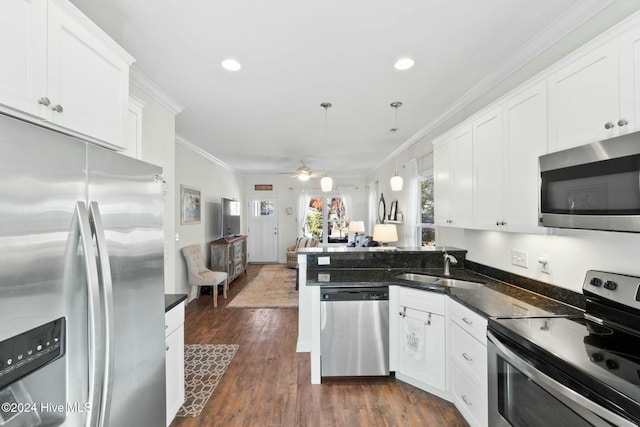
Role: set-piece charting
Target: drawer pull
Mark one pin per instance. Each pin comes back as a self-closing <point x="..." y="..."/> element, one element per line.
<point x="467" y="321"/>
<point x="467" y="401"/>
<point x="428" y="322"/>
<point x="166" y="327"/>
<point x="466" y="357"/>
<point x="167" y="348"/>
<point x="403" y="313"/>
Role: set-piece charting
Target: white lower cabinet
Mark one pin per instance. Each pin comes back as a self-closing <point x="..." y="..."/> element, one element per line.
<point x="421" y="341"/>
<point x="174" y="360"/>
<point x="468" y="363"/>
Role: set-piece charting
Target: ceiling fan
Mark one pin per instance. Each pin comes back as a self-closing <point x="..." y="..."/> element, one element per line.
<point x="303" y="173"/>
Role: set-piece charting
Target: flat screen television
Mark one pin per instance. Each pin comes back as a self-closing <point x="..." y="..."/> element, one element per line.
<point x="230" y="217"/>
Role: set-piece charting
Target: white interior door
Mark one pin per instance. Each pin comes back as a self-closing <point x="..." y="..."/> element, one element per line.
<point x="263" y="229"/>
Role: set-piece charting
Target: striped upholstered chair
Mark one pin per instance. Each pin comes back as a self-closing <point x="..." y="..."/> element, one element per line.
<point x="292" y="251"/>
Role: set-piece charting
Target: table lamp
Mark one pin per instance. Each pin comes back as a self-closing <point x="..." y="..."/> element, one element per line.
<point x="356" y="227"/>
<point x="385" y="233"/>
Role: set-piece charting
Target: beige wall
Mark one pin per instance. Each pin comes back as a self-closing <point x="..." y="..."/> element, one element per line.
<point x="215" y="181"/>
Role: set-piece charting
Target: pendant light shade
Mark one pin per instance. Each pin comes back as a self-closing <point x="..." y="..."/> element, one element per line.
<point x="396" y="180"/>
<point x="326" y="183"/>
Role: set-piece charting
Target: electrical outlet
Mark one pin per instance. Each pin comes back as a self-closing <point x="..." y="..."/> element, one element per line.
<point x="519" y="258"/>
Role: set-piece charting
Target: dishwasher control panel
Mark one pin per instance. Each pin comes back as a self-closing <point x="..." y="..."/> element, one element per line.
<point x="355" y="294"/>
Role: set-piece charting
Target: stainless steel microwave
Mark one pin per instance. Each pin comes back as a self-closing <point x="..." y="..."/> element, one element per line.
<point x="594" y="186"/>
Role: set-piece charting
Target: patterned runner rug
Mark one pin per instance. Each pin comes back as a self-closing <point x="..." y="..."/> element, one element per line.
<point x="204" y="365"/>
<point x="273" y="287"/>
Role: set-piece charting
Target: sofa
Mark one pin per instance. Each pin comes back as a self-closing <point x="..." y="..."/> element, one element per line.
<point x="292" y="251"/>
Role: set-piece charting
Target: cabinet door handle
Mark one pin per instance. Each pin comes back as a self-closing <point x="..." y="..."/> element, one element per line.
<point x="403" y="313"/>
<point x="498" y="223"/>
<point x="609" y="125"/>
<point x="57" y="108"/>
<point x="466" y="357"/>
<point x="503" y="223"/>
<point x="167" y="348"/>
<point x="467" y="321"/>
<point x="623" y="122"/>
<point x="428" y="322"/>
<point x="467" y="401"/>
<point x="44" y="101"/>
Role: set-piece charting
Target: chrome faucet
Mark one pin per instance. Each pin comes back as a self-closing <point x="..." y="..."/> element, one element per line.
<point x="448" y="259"/>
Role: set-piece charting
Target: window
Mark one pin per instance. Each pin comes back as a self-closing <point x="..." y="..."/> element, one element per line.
<point x="326" y="219"/>
<point x="426" y="227"/>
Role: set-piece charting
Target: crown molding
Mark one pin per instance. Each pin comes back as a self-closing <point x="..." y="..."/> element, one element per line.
<point x="200" y="152"/>
<point x="565" y="24"/>
<point x="151" y="88"/>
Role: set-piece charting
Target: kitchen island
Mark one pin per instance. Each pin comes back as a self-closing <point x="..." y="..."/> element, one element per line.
<point x="358" y="267"/>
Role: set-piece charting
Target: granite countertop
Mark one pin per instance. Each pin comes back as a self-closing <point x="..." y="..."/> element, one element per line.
<point x="392" y="249"/>
<point x="171" y="300"/>
<point x="494" y="299"/>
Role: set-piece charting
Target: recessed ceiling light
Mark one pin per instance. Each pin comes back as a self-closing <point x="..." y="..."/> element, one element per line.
<point x="231" y="65"/>
<point x="403" y="64"/>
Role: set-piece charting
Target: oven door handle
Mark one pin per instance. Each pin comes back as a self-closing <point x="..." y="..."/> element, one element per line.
<point x="574" y="400"/>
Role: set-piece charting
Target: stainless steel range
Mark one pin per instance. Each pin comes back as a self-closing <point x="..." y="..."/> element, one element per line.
<point x="570" y="371"/>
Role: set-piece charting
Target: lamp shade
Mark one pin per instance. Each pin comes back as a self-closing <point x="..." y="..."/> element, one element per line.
<point x="356" y="226"/>
<point x="396" y="183"/>
<point x="326" y="183"/>
<point x="385" y="233"/>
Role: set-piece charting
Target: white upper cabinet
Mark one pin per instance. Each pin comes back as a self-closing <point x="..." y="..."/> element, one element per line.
<point x="453" y="164"/>
<point x="23" y="26"/>
<point x="63" y="70"/>
<point x="629" y="81"/>
<point x="489" y="171"/>
<point x="133" y="129"/>
<point x="584" y="99"/>
<point x="525" y="133"/>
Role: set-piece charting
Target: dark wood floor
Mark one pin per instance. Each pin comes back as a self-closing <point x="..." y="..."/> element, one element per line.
<point x="268" y="383"/>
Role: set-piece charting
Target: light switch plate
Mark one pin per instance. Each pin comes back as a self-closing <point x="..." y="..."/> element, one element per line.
<point x="519" y="258"/>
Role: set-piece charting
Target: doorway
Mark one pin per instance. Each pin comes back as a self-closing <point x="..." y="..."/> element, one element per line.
<point x="263" y="229"/>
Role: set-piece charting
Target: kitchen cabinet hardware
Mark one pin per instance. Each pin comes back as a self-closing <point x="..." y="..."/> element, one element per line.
<point x="467" y="357"/>
<point x="403" y="313"/>
<point x="428" y="322"/>
<point x="467" y="321"/>
<point x="57" y="108"/>
<point x="623" y="122"/>
<point x="609" y="125"/>
<point x="44" y="101"/>
<point x="167" y="348"/>
<point x="467" y="401"/>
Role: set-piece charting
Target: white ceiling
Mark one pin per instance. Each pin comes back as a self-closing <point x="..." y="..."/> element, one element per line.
<point x="295" y="54"/>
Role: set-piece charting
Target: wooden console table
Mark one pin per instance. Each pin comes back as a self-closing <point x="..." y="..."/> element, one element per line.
<point x="230" y="255"/>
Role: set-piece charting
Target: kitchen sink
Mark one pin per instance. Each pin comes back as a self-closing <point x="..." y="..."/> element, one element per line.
<point x="440" y="281"/>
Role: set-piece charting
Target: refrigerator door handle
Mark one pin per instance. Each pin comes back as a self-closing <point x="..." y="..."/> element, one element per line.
<point x="82" y="225"/>
<point x="106" y="291"/>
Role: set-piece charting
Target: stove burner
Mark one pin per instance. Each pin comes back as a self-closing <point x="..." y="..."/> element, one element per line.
<point x="595" y="329"/>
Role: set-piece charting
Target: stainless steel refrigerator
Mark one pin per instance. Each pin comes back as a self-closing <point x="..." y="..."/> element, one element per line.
<point x="81" y="283"/>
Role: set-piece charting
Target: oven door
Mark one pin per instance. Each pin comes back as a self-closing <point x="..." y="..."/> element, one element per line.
<point x="522" y="396"/>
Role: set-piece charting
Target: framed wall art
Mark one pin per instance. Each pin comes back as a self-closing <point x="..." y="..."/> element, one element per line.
<point x="189" y="205"/>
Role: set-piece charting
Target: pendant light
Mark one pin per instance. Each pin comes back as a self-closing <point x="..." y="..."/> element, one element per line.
<point x="326" y="182"/>
<point x="396" y="180"/>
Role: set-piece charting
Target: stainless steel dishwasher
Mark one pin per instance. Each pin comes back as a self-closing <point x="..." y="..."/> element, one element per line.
<point x="354" y="331"/>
